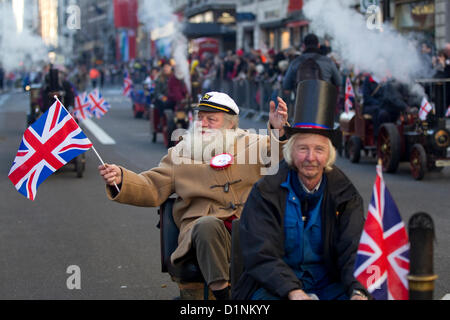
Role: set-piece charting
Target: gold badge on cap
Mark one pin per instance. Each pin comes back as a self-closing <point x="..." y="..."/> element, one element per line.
<point x="206" y="97"/>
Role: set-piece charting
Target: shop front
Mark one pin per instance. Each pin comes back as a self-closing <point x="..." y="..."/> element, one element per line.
<point x="416" y="16"/>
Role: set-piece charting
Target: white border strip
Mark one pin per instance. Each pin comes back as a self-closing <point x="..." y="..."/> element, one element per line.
<point x="98" y="132"/>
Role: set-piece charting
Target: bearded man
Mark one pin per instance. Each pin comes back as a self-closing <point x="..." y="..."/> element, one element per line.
<point x="212" y="170"/>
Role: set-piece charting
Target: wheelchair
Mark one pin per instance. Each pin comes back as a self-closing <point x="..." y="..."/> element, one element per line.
<point x="188" y="275"/>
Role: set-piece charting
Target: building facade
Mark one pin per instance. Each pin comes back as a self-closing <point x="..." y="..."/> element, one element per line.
<point x="262" y="24"/>
<point x="213" y="19"/>
<point x="95" y="39"/>
<point x="428" y="18"/>
<point x="109" y="30"/>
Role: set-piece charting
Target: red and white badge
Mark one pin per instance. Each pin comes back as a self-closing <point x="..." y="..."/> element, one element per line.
<point x="221" y="161"/>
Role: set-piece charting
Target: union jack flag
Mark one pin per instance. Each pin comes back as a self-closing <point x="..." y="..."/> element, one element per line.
<point x="425" y="108"/>
<point x="127" y="85"/>
<point x="99" y="106"/>
<point x="82" y="107"/>
<point x="382" y="261"/>
<point x="349" y="93"/>
<point x="48" y="144"/>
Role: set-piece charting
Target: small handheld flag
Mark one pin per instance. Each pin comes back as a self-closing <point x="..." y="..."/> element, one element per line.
<point x="127" y="85"/>
<point x="99" y="106"/>
<point x="349" y="94"/>
<point x="47" y="145"/>
<point x="382" y="261"/>
<point x="425" y="108"/>
<point x="82" y="107"/>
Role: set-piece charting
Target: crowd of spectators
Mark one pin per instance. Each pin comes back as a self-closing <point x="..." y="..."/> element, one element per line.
<point x="209" y="71"/>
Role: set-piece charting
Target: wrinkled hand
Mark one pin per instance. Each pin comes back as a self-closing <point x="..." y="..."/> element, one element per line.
<point x="278" y="116"/>
<point x="110" y="173"/>
<point x="298" y="295"/>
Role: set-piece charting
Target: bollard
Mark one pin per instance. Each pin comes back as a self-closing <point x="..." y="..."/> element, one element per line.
<point x="421" y="275"/>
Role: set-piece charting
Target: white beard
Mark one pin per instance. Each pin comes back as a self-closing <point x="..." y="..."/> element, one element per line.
<point x="203" y="147"/>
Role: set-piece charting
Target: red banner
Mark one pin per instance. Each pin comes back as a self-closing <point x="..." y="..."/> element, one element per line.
<point x="295" y="5"/>
<point x="125" y="14"/>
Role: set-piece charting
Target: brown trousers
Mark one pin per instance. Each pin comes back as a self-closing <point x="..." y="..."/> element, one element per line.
<point x="212" y="244"/>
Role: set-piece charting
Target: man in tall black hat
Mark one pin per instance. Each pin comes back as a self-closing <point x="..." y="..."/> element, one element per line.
<point x="300" y="228"/>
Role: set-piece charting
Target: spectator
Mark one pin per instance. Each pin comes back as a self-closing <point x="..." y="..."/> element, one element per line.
<point x="161" y="88"/>
<point x="102" y="76"/>
<point x="2" y="75"/>
<point x="325" y="48"/>
<point x="447" y="49"/>
<point x="176" y="88"/>
<point x="329" y="71"/>
<point x="94" y="74"/>
<point x="426" y="55"/>
<point x="442" y="65"/>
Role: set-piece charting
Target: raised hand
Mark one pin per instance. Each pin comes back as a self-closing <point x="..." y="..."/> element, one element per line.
<point x="278" y="117"/>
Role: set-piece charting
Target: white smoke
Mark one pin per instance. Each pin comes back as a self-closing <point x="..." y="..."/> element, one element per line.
<point x="155" y="14"/>
<point x="23" y="49"/>
<point x="382" y="53"/>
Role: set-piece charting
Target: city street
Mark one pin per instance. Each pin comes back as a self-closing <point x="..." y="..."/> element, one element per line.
<point x="116" y="247"/>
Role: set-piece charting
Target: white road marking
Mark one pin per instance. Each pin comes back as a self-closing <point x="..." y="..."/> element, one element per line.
<point x="98" y="132"/>
<point x="3" y="98"/>
<point x="446" y="297"/>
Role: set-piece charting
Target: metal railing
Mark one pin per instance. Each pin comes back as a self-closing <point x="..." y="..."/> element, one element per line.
<point x="438" y="90"/>
<point x="252" y="97"/>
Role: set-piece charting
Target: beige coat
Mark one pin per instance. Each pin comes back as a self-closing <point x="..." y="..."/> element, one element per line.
<point x="194" y="186"/>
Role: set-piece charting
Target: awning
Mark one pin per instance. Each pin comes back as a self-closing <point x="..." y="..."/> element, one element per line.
<point x="296" y="24"/>
<point x="206" y="29"/>
<point x="273" y="24"/>
<point x="245" y="16"/>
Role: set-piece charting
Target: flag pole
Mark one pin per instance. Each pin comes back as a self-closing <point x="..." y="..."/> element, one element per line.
<point x="93" y="148"/>
<point x="100" y="158"/>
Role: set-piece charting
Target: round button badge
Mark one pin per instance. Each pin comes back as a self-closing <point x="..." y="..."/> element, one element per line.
<point x="221" y="161"/>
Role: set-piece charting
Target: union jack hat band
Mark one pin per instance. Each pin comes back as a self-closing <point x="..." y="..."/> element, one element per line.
<point x="312" y="128"/>
<point x="306" y="125"/>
